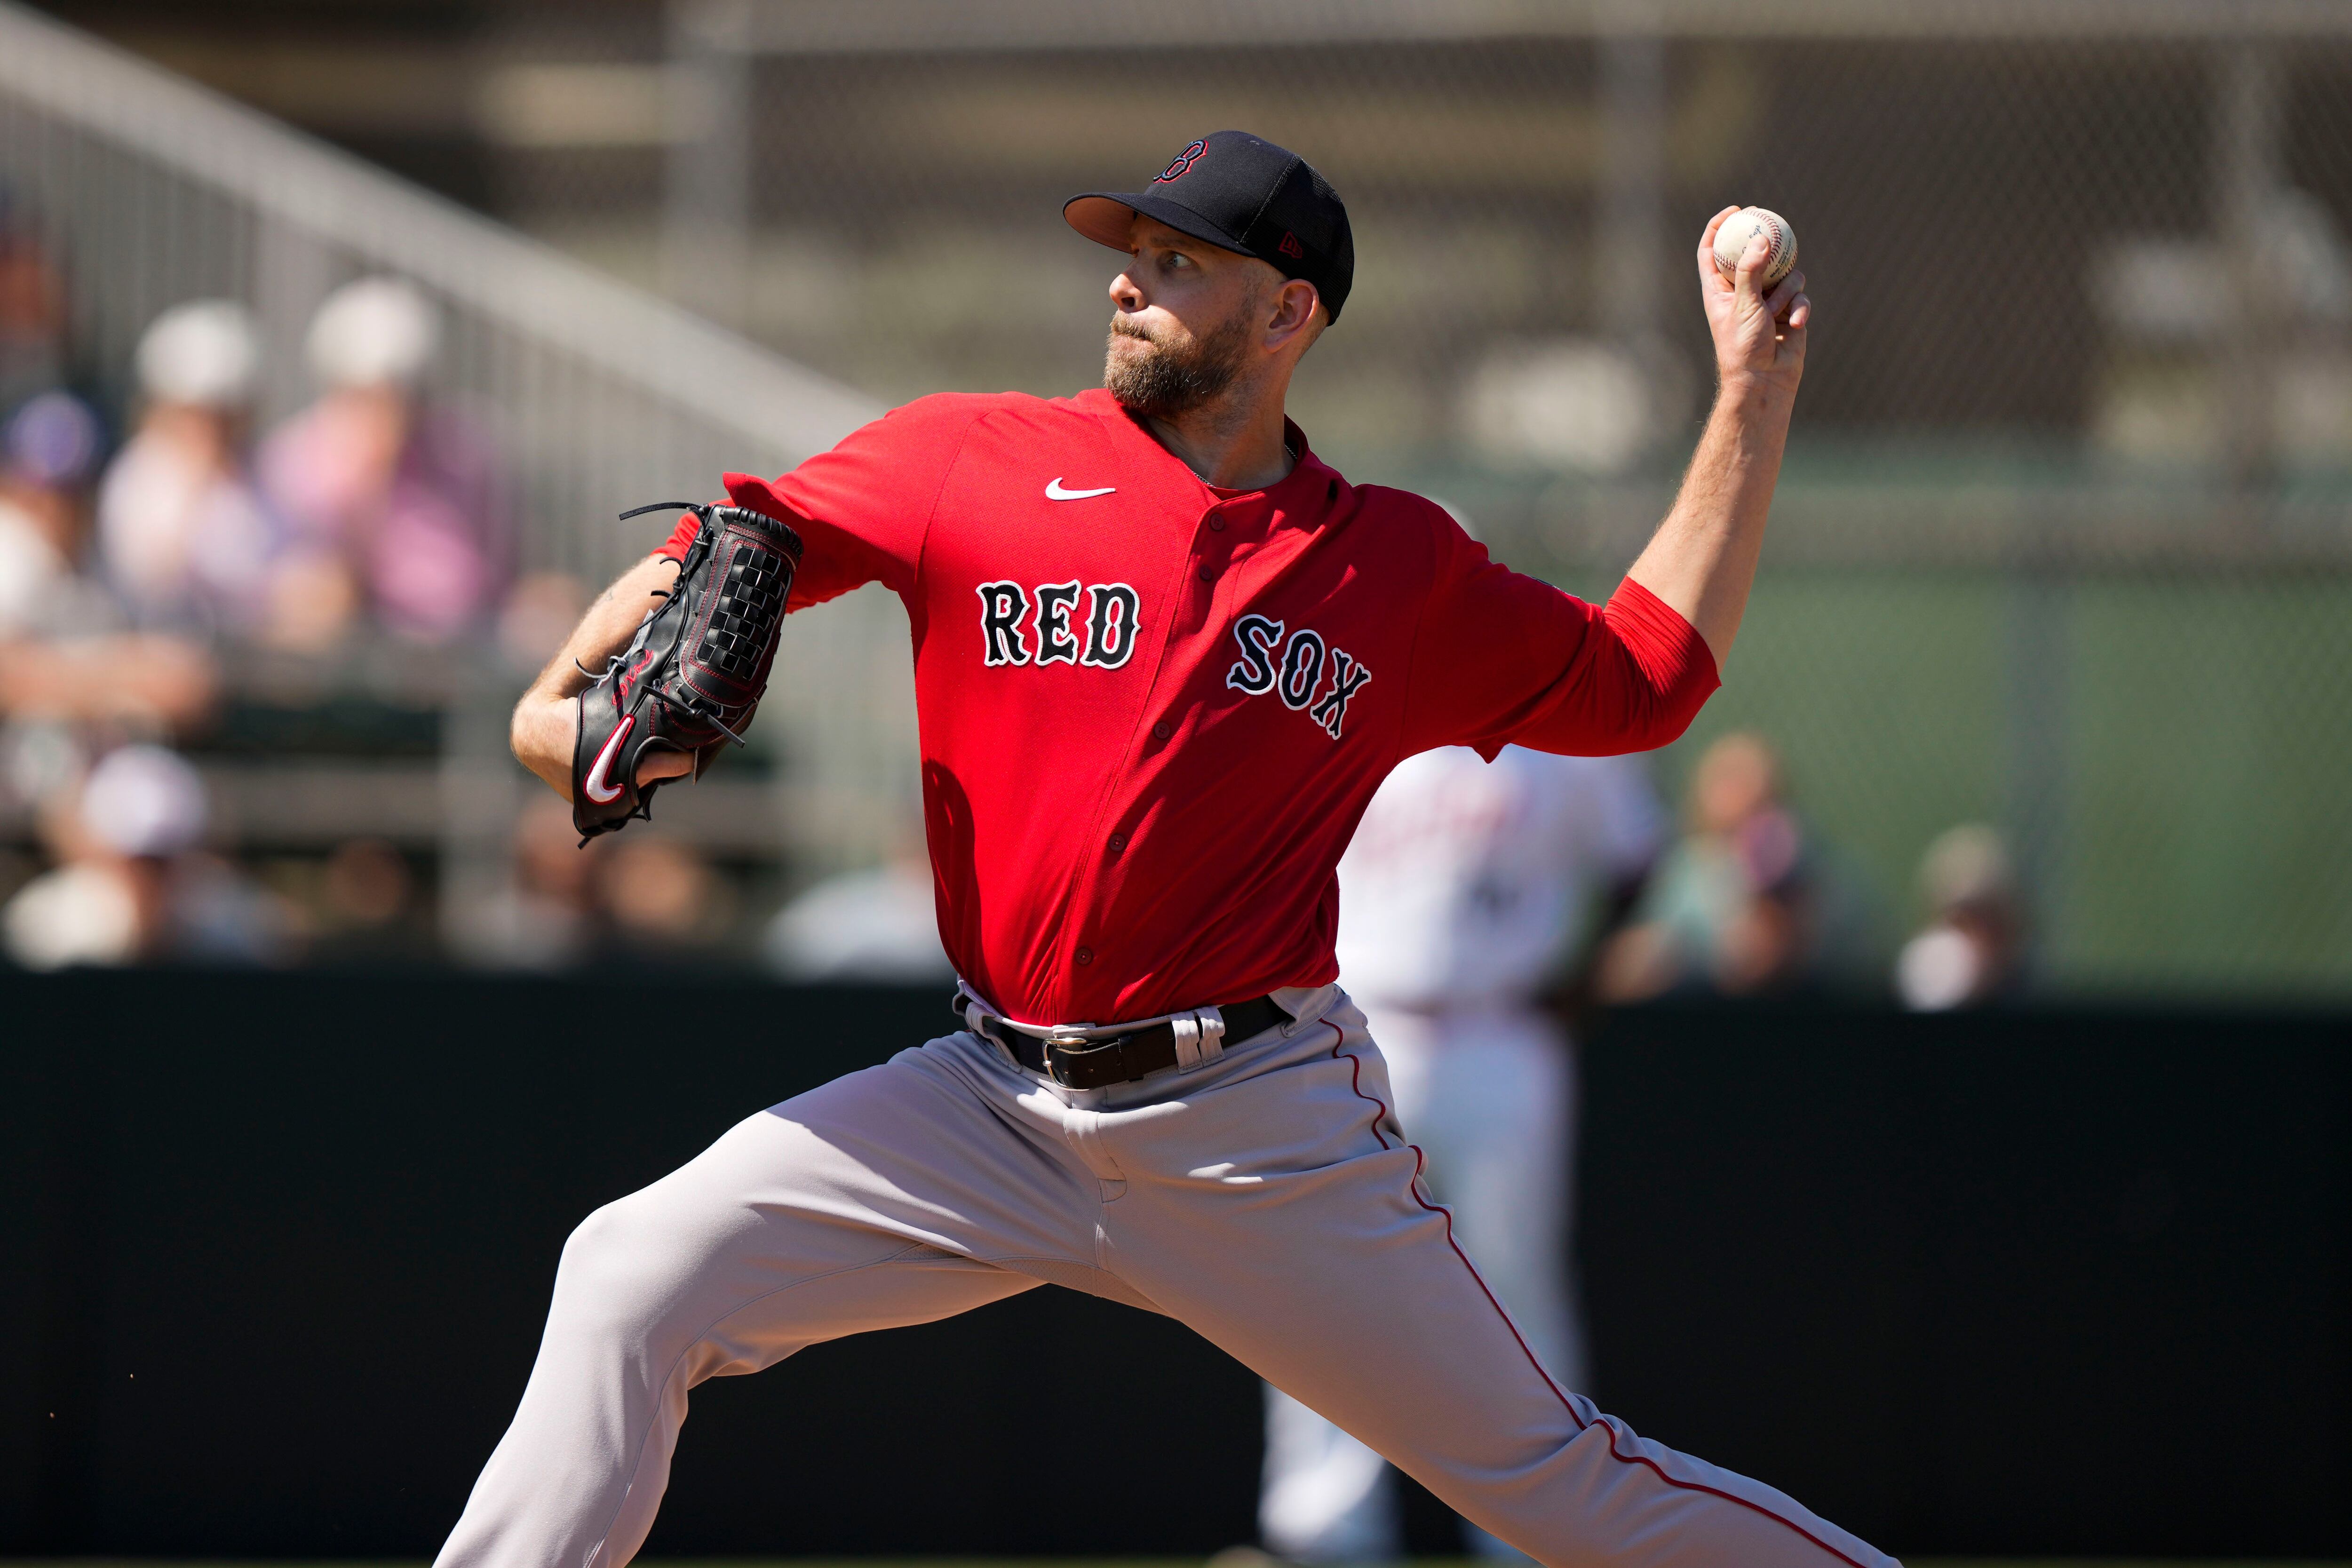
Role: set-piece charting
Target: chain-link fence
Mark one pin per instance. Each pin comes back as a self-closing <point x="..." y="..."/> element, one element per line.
<point x="2065" y="544"/>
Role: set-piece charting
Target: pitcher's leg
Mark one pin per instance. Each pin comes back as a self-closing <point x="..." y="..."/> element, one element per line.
<point x="1323" y="1496"/>
<point x="1494" y="1122"/>
<point x="1489" y="1099"/>
<point x="872" y="1202"/>
<point x="1333" y="1274"/>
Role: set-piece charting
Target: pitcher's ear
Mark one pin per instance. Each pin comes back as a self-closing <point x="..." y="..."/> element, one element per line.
<point x="1299" y="301"/>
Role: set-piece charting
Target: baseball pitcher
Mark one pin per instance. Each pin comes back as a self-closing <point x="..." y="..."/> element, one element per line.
<point x="1163" y="655"/>
<point x="1468" y="888"/>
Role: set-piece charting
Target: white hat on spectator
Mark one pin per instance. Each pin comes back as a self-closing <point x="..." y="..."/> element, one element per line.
<point x="204" y="352"/>
<point x="144" y="800"/>
<point x="377" y="332"/>
<point x="1967" y="864"/>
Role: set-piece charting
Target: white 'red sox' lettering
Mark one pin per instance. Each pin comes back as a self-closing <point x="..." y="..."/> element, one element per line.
<point x="1054" y="643"/>
<point x="1297" y="672"/>
<point x="1104" y="637"/>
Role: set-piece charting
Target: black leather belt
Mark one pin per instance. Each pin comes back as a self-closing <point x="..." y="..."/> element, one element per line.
<point x="1123" y="1058"/>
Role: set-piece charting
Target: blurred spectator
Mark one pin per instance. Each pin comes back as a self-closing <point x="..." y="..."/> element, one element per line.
<point x="1969" y="952"/>
<point x="130" y="884"/>
<point x="51" y="447"/>
<point x="368" y="914"/>
<point x="1747" y="903"/>
<point x="64" y="656"/>
<point x="545" y="916"/>
<point x="40" y="762"/>
<point x="184" y="537"/>
<point x="639" y="896"/>
<point x="32" y="306"/>
<point x="880" y="925"/>
<point x="658" y="901"/>
<point x="397" y="506"/>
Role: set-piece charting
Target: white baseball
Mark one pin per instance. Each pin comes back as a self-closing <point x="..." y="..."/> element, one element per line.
<point x="1731" y="243"/>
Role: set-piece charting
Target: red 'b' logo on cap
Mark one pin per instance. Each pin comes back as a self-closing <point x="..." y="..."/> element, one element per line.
<point x="1183" y="162"/>
<point x="1290" y="246"/>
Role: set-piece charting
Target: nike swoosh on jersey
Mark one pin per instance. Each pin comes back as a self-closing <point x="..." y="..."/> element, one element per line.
<point x="1054" y="490"/>
<point x="596" y="785"/>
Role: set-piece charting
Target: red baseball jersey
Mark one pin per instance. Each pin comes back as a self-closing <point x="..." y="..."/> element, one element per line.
<point x="1151" y="711"/>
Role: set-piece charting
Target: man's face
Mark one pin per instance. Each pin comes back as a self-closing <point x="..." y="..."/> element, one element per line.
<point x="1188" y="317"/>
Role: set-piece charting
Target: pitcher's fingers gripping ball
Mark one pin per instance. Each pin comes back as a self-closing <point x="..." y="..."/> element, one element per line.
<point x="694" y="674"/>
<point x="1740" y="229"/>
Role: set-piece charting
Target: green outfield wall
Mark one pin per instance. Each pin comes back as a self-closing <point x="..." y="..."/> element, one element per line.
<point x="2171" y="754"/>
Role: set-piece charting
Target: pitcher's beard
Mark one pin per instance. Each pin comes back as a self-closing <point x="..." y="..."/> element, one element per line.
<point x="1172" y="379"/>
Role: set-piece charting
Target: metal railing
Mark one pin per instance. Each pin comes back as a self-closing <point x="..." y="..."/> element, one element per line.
<point x="148" y="190"/>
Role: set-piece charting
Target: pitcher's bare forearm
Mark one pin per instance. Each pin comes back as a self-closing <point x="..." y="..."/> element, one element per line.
<point x="545" y="722"/>
<point x="1702" y="560"/>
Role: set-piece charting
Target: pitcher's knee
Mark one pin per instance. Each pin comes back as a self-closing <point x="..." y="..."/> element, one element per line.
<point x="625" y="1268"/>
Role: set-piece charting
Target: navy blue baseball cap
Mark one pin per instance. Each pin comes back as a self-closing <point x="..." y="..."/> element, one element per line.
<point x="1238" y="192"/>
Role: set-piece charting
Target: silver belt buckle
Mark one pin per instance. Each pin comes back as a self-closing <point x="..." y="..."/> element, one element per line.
<point x="1069" y="1043"/>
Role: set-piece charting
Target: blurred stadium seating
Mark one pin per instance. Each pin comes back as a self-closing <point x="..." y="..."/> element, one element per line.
<point x="2064" y="542"/>
<point x="143" y="192"/>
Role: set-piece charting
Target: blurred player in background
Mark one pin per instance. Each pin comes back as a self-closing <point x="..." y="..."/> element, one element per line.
<point x="875" y="925"/>
<point x="1464" y="896"/>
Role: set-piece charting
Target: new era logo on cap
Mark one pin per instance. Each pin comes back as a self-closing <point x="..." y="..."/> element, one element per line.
<point x="1243" y="193"/>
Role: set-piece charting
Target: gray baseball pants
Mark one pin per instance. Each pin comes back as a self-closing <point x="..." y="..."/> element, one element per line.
<point x="1488" y="1095"/>
<point x="1267" y="1199"/>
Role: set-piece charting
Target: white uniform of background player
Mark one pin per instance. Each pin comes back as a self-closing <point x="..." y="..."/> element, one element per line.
<point x="1467" y="889"/>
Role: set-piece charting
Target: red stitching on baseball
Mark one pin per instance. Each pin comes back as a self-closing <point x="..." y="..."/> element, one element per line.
<point x="1355" y="1082"/>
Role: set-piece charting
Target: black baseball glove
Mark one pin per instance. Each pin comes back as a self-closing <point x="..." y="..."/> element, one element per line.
<point x="693" y="675"/>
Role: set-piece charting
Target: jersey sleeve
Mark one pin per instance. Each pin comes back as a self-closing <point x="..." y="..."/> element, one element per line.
<point x="1502" y="658"/>
<point x="864" y="508"/>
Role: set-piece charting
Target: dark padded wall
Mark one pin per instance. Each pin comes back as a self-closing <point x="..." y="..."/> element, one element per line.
<point x="278" y="1248"/>
<point x="2009" y="1284"/>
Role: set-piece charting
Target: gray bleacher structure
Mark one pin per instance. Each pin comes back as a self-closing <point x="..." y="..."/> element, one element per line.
<point x="149" y="190"/>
